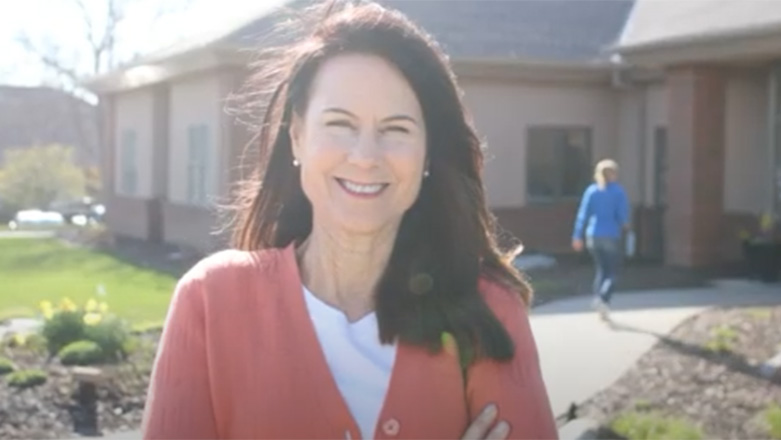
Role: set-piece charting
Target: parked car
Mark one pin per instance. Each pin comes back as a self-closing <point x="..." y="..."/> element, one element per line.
<point x="74" y="212"/>
<point x="36" y="219"/>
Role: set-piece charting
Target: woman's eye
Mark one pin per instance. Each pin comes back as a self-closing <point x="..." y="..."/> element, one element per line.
<point x="339" y="123"/>
<point x="397" y="129"/>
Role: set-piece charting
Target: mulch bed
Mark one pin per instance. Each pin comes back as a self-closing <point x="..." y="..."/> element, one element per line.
<point x="50" y="411"/>
<point x="722" y="392"/>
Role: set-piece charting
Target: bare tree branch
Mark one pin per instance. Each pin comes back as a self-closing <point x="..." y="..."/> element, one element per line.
<point x="49" y="58"/>
<point x="101" y="35"/>
<point x="89" y="29"/>
<point x="116" y="14"/>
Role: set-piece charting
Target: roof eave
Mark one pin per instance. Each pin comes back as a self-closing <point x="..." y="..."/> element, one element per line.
<point x="587" y="72"/>
<point x="145" y="75"/>
<point x="722" y="46"/>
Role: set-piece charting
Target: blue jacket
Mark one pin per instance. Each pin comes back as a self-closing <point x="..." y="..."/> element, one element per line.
<point x="602" y="212"/>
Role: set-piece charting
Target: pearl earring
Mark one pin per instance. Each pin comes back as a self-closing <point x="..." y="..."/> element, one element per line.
<point x="425" y="173"/>
<point x="296" y="163"/>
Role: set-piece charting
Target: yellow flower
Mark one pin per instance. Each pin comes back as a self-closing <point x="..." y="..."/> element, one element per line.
<point x="93" y="318"/>
<point x="47" y="309"/>
<point x="91" y="306"/>
<point x="103" y="307"/>
<point x="67" y="305"/>
<point x="20" y="339"/>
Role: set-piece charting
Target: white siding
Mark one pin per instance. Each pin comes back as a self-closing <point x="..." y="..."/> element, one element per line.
<point x="630" y="113"/>
<point x="746" y="170"/>
<point x="195" y="102"/>
<point x="134" y="115"/>
<point x="504" y="111"/>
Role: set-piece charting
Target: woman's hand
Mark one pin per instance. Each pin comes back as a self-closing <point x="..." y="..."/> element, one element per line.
<point x="577" y="244"/>
<point x="479" y="429"/>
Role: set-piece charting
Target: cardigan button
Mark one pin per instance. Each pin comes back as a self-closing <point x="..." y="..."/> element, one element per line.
<point x="391" y="427"/>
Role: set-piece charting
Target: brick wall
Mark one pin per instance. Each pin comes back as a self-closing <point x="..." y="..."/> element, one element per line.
<point x="129" y="217"/>
<point x="191" y="226"/>
<point x="544" y="227"/>
<point x="693" y="223"/>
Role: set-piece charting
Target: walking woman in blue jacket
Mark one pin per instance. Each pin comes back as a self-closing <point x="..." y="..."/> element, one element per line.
<point x="602" y="217"/>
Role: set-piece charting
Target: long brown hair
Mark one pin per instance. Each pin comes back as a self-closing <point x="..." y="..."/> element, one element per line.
<point x="446" y="241"/>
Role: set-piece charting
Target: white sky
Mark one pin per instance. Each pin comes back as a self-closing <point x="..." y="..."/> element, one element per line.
<point x="60" y="22"/>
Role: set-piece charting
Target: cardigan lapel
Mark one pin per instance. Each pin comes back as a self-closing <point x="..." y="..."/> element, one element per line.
<point x="326" y="391"/>
<point x="418" y="379"/>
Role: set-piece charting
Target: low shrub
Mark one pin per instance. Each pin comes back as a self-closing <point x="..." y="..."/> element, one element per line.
<point x="26" y="378"/>
<point x="63" y="328"/>
<point x="760" y="313"/>
<point x="772" y="417"/>
<point x="35" y="342"/>
<point x="652" y="426"/>
<point x="112" y="335"/>
<point x="723" y="339"/>
<point x="81" y="353"/>
<point x="93" y="322"/>
<point x="6" y="366"/>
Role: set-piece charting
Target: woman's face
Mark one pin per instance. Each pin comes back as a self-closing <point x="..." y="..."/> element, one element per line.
<point x="361" y="145"/>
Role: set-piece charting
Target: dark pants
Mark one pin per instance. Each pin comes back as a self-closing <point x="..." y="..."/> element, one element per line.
<point x="606" y="253"/>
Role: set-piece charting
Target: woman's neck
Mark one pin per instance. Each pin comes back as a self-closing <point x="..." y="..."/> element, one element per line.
<point x="344" y="269"/>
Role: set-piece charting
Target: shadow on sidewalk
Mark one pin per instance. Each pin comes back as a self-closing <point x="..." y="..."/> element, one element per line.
<point x="741" y="294"/>
<point x="732" y="361"/>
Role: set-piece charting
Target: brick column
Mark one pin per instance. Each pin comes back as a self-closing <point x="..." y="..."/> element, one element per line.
<point x="696" y="121"/>
<point x="160" y="154"/>
<point x="108" y="145"/>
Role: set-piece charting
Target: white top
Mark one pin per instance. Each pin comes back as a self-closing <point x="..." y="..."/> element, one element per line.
<point x="359" y="363"/>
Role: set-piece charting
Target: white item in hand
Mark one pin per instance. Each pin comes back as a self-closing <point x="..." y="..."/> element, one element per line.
<point x="629" y="244"/>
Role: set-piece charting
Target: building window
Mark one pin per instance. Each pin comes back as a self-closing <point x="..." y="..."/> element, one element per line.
<point x="128" y="166"/>
<point x="558" y="164"/>
<point x="197" y="164"/>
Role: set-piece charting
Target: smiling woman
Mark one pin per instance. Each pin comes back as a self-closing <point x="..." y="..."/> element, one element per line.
<point x="362" y="160"/>
<point x="367" y="297"/>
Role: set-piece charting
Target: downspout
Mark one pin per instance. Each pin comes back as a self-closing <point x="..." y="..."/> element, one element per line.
<point x="774" y="125"/>
<point x="642" y="144"/>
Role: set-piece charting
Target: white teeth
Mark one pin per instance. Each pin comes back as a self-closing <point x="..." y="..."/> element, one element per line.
<point x="362" y="189"/>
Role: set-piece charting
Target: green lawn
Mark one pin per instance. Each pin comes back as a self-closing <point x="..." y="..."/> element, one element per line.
<point x="36" y="270"/>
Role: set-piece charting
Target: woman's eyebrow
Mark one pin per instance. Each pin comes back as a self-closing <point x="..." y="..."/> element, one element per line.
<point x="400" y="118"/>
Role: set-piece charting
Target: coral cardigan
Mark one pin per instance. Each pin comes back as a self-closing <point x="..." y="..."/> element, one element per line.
<point x="239" y="359"/>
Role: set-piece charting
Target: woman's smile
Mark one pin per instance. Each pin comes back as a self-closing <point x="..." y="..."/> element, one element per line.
<point x="362" y="190"/>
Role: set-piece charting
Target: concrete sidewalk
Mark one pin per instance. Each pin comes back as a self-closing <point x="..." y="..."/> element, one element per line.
<point x="581" y="355"/>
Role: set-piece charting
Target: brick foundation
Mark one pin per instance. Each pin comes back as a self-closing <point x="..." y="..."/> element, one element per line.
<point x="543" y="227"/>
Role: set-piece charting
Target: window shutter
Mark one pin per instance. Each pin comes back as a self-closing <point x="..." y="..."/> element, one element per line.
<point x="128" y="169"/>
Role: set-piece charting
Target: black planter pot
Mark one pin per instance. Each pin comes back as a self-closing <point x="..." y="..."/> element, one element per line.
<point x="764" y="259"/>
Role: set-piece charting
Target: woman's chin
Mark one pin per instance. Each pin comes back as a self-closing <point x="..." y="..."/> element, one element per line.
<point x="363" y="225"/>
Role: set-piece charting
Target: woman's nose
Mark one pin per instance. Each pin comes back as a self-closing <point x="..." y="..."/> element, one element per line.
<point x="366" y="150"/>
